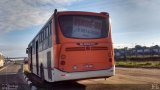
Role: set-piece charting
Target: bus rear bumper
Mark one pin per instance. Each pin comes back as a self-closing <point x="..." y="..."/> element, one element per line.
<point x="63" y="76"/>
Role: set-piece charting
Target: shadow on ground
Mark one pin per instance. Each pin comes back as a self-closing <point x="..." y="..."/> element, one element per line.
<point x="65" y="85"/>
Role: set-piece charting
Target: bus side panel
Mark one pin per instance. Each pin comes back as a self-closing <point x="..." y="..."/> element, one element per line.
<point x="43" y="60"/>
<point x="47" y="58"/>
<point x="47" y="64"/>
<point x="34" y="64"/>
<point x="45" y="55"/>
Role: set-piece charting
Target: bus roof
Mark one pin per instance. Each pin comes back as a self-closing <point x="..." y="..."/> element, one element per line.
<point x="86" y="12"/>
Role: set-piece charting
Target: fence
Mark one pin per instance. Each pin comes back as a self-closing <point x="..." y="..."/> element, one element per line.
<point x="137" y="52"/>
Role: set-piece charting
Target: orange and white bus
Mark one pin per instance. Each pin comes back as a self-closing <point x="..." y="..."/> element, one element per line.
<point x="73" y="45"/>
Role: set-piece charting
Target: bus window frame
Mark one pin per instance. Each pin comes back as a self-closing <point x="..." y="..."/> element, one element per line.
<point x="105" y="18"/>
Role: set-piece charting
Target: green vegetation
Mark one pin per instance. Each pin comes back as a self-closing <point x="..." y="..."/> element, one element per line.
<point x="138" y="64"/>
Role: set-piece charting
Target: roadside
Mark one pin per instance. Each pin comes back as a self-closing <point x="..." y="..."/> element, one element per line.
<point x="3" y="67"/>
<point x="138" y="64"/>
<point x="129" y="76"/>
<point x="11" y="78"/>
<point x="124" y="79"/>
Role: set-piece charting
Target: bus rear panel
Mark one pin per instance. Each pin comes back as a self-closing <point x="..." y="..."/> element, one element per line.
<point x="81" y="47"/>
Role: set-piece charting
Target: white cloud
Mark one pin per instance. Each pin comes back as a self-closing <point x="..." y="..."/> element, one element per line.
<point x="145" y="2"/>
<point x="64" y="1"/>
<point x="20" y="14"/>
<point x="12" y="50"/>
<point x="122" y="45"/>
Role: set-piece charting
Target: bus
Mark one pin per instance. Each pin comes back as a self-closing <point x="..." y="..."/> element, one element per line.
<point x="73" y="45"/>
<point x="1" y="60"/>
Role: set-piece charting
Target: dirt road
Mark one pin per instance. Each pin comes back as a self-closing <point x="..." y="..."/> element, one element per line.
<point x="129" y="76"/>
<point x="125" y="79"/>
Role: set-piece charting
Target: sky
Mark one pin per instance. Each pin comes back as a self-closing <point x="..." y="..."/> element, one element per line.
<point x="133" y="21"/>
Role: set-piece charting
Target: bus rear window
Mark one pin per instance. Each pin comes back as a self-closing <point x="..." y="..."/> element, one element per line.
<point x="81" y="27"/>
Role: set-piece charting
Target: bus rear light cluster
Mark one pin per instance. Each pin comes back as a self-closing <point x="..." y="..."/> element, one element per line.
<point x="63" y="62"/>
<point x="109" y="54"/>
<point x="63" y="56"/>
<point x="110" y="59"/>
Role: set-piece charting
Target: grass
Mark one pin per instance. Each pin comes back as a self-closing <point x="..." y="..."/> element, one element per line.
<point x="130" y="64"/>
<point x="138" y="64"/>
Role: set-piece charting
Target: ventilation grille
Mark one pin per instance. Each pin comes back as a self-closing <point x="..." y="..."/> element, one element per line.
<point x="85" y="48"/>
<point x="75" y="49"/>
<point x="99" y="48"/>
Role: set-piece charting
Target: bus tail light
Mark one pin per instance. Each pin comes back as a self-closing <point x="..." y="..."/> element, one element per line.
<point x="63" y="62"/>
<point x="63" y="56"/>
<point x="109" y="54"/>
<point x="110" y="59"/>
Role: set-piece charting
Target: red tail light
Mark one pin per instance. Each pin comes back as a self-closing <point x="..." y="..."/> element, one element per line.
<point x="63" y="62"/>
<point x="110" y="59"/>
<point x="63" y="56"/>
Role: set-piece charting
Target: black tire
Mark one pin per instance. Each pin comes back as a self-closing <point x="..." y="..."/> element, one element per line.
<point x="42" y="72"/>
